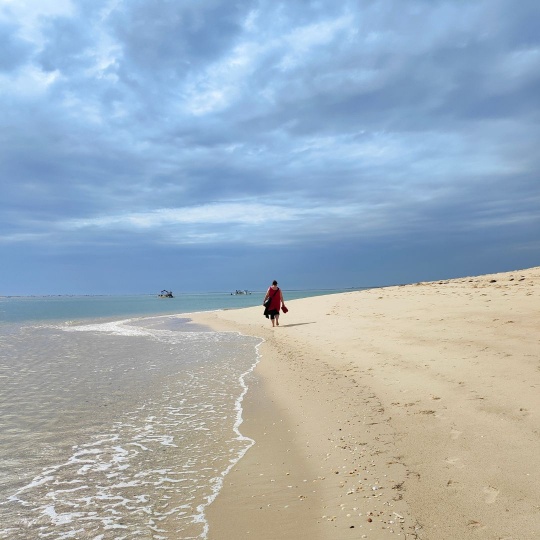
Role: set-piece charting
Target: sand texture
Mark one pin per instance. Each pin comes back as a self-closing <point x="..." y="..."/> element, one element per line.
<point x="402" y="412"/>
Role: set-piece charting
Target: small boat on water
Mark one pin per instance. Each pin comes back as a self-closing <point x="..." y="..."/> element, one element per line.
<point x="239" y="291"/>
<point x="165" y="294"/>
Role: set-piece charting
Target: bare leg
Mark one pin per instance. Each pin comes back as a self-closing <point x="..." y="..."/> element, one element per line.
<point x="277" y="320"/>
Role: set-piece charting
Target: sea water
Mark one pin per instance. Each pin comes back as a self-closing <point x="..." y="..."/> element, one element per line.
<point x="117" y="428"/>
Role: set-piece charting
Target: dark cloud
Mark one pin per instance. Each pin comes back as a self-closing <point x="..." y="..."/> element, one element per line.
<point x="14" y="50"/>
<point x="67" y="43"/>
<point x="169" y="39"/>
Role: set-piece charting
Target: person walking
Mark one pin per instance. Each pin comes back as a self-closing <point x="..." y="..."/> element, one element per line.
<point x="275" y="296"/>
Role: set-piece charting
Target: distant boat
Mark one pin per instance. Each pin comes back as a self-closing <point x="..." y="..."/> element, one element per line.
<point x="239" y="291"/>
<point x="166" y="294"/>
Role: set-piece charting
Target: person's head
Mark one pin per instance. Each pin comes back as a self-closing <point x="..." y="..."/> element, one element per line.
<point x="274" y="282"/>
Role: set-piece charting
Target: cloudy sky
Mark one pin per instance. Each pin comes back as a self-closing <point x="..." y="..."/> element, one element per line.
<point x="219" y="144"/>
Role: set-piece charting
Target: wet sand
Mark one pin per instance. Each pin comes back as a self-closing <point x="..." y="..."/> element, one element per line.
<point x="403" y="412"/>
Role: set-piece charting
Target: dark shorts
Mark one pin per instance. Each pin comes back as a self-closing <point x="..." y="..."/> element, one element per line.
<point x="273" y="313"/>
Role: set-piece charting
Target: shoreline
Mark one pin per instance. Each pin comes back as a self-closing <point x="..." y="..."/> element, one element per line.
<point x="409" y="411"/>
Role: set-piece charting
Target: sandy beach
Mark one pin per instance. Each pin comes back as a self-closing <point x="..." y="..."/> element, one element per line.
<point x="401" y="412"/>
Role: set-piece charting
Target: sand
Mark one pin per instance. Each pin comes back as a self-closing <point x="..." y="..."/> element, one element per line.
<point x="402" y="412"/>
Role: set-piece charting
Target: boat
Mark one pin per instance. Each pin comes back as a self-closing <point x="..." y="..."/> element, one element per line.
<point x="239" y="291"/>
<point x="165" y="294"/>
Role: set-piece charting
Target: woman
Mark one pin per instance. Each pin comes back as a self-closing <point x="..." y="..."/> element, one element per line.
<point x="276" y="300"/>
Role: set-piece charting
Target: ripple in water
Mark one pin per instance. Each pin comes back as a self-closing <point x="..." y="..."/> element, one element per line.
<point x="118" y="430"/>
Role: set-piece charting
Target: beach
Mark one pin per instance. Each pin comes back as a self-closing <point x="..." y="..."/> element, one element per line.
<point x="400" y="412"/>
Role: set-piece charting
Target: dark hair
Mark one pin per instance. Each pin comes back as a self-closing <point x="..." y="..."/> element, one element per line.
<point x="274" y="282"/>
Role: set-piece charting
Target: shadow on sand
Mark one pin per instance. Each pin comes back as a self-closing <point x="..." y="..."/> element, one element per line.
<point x="297" y="324"/>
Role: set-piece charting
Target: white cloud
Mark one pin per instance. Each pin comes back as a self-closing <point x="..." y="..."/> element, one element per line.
<point x="303" y="40"/>
<point x="221" y="83"/>
<point x="244" y="222"/>
<point x="207" y="214"/>
<point x="29" y="81"/>
<point x="29" y="14"/>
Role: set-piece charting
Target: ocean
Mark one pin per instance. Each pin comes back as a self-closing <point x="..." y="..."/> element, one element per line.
<point x="119" y="417"/>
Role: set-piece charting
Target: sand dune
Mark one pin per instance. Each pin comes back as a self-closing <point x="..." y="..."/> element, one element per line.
<point x="402" y="412"/>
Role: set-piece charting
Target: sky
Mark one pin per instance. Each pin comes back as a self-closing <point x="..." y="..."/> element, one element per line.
<point x="214" y="145"/>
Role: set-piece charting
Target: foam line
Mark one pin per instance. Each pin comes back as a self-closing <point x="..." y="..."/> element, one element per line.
<point x="217" y="483"/>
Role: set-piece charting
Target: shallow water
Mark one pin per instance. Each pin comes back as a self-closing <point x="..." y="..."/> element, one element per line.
<point x="117" y="429"/>
<point x="19" y="309"/>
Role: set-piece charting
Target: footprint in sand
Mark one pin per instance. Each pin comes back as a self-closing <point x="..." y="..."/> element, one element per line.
<point x="452" y="484"/>
<point x="456" y="462"/>
<point x="491" y="494"/>
<point x="476" y="525"/>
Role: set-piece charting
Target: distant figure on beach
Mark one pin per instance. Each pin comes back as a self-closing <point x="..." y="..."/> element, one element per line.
<point x="276" y="301"/>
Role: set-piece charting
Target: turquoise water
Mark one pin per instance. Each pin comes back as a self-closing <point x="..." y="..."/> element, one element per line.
<point x="67" y="308"/>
